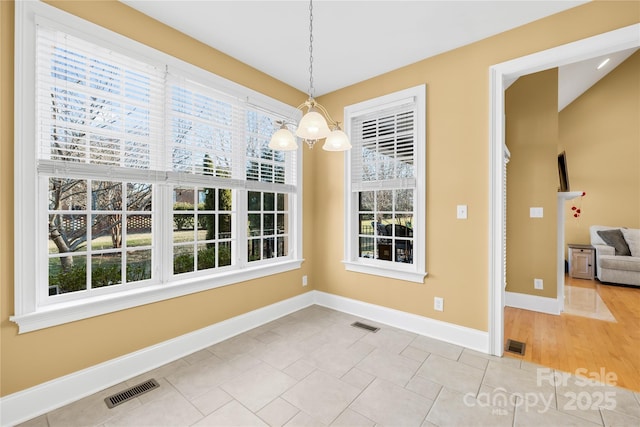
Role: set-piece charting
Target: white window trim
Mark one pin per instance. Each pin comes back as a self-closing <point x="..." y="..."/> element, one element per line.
<point x="28" y="313"/>
<point x="408" y="272"/>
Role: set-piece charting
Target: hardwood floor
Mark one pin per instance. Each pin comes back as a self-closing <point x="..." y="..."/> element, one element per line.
<point x="570" y="342"/>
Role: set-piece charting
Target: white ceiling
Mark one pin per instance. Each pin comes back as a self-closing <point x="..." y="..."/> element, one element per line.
<point x="574" y="79"/>
<point x="353" y="40"/>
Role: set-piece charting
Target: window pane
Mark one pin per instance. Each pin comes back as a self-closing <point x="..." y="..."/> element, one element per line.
<point x="253" y="249"/>
<point x="207" y="227"/>
<point x="106" y="231"/>
<point x="384" y="249"/>
<point x="269" y="248"/>
<point x="183" y="259"/>
<point x="282" y="201"/>
<point x="139" y="197"/>
<point x="366" y="247"/>
<point x="67" y="233"/>
<point x="283" y="247"/>
<point x="207" y="199"/>
<point x="366" y="200"/>
<point x="138" y="230"/>
<point x="224" y="254"/>
<point x="384" y="200"/>
<point x="282" y="223"/>
<point x="404" y="200"/>
<point x="67" y="274"/>
<point x="106" y="195"/>
<point x="206" y="256"/>
<point x="254" y="201"/>
<point x="405" y="219"/>
<point x="183" y="198"/>
<point x="269" y="201"/>
<point x="404" y="250"/>
<point x="138" y="265"/>
<point x="224" y="226"/>
<point x="67" y="194"/>
<point x="367" y="224"/>
<point x="106" y="270"/>
<point x="224" y="200"/>
<point x="255" y="226"/>
<point x="183" y="222"/>
<point x="269" y="225"/>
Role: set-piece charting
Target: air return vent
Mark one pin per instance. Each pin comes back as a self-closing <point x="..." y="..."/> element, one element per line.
<point x="365" y="326"/>
<point x="130" y="393"/>
<point x="514" y="346"/>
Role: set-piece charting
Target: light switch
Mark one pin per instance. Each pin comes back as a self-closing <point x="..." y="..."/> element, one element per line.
<point x="461" y="212"/>
<point x="536" y="212"/>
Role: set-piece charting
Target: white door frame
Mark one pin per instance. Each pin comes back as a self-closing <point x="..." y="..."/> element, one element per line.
<point x="501" y="76"/>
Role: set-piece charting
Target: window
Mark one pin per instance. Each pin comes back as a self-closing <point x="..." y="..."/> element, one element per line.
<point x="268" y="229"/>
<point x="99" y="234"/>
<point x="203" y="221"/>
<point x="152" y="179"/>
<point x="385" y="186"/>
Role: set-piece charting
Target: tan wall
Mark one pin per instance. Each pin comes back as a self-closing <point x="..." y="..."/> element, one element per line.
<point x="457" y="161"/>
<point x="531" y="108"/>
<point x="600" y="131"/>
<point x="457" y="167"/>
<point x="35" y="357"/>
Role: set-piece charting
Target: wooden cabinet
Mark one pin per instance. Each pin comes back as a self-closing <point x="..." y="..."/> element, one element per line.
<point x="582" y="261"/>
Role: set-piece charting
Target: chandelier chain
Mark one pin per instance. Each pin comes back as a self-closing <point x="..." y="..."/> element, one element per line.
<point x="311" y="88"/>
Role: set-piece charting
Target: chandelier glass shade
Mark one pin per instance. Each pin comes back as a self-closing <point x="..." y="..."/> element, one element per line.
<point x="313" y="126"/>
<point x="316" y="124"/>
<point x="283" y="140"/>
<point x="337" y="141"/>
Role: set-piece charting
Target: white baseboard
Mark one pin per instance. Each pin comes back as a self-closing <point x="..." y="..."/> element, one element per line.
<point x="448" y="332"/>
<point x="27" y="404"/>
<point x="30" y="403"/>
<point x="532" y="302"/>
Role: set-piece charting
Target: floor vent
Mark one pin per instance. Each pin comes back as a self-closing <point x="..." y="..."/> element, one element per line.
<point x="365" y="326"/>
<point x="130" y="393"/>
<point x="514" y="346"/>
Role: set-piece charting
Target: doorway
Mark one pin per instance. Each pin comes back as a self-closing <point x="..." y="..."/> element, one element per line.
<point x="501" y="76"/>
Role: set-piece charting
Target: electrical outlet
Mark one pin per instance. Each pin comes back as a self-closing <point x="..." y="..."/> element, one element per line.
<point x="438" y="303"/>
<point x="304" y="280"/>
<point x="537" y="284"/>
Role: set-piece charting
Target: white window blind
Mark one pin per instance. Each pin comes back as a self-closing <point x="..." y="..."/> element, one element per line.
<point x="205" y="128"/>
<point x="383" y="148"/>
<point x="104" y="113"/>
<point x="97" y="109"/>
<point x="266" y="169"/>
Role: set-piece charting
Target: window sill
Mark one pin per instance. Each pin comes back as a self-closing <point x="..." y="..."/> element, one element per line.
<point x="392" y="272"/>
<point x="59" y="314"/>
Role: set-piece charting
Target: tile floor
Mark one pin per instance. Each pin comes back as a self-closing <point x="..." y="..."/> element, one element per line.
<point x="311" y="368"/>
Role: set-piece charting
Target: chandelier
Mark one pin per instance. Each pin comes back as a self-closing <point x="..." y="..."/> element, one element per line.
<point x="313" y="126"/>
